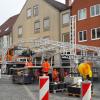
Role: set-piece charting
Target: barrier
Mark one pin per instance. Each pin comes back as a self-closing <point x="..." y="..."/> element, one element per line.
<point x="86" y="90"/>
<point x="44" y="88"/>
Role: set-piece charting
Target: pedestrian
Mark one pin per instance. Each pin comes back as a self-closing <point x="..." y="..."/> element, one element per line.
<point x="45" y="67"/>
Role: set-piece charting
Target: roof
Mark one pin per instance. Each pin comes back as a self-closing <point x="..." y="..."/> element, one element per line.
<point x="57" y="5"/>
<point x="7" y="26"/>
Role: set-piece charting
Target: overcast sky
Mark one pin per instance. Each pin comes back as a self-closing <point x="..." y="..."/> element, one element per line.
<point x="9" y="8"/>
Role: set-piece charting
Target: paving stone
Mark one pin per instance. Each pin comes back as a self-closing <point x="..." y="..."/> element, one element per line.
<point x="9" y="91"/>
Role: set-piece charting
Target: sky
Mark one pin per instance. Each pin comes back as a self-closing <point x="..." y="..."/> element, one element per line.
<point x="9" y="8"/>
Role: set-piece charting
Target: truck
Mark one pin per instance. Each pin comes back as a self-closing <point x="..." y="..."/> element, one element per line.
<point x="15" y="57"/>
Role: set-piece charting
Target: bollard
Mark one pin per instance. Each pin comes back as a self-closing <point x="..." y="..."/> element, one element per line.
<point x="86" y="90"/>
<point x="44" y="88"/>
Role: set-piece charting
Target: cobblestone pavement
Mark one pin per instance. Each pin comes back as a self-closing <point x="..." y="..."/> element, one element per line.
<point x="9" y="91"/>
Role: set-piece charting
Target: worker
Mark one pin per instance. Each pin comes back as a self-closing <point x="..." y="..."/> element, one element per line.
<point x="29" y="63"/>
<point x="86" y="72"/>
<point x="55" y="75"/>
<point x="45" y="67"/>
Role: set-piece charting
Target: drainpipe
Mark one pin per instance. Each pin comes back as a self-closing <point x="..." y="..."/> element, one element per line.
<point x="60" y="34"/>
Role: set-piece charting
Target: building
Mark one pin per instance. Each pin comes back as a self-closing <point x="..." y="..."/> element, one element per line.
<point x="87" y="21"/>
<point x="87" y="13"/>
<point x="6" y="33"/>
<point x="42" y="19"/>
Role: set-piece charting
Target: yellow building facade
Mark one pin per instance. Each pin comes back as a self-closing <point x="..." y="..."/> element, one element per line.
<point x="42" y="19"/>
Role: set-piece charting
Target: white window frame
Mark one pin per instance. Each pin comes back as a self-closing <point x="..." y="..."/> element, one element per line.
<point x="35" y="10"/>
<point x="67" y="21"/>
<point x="37" y="30"/>
<point x="20" y="31"/>
<point x="82" y="36"/>
<point x="29" y="12"/>
<point x="63" y="36"/>
<point x="95" y="34"/>
<point x="5" y="40"/>
<point x="0" y="42"/>
<point x="94" y="10"/>
<point x="46" y="28"/>
<point x="79" y="14"/>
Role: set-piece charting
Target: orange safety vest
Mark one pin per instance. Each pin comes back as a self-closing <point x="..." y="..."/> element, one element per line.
<point x="29" y="64"/>
<point x="55" y="75"/>
<point x="46" y="66"/>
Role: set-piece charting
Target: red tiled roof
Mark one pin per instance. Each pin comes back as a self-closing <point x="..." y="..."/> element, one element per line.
<point x="6" y="27"/>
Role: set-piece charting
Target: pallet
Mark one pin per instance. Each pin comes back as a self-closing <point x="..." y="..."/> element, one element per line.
<point x="72" y="94"/>
<point x="74" y="91"/>
<point x="76" y="95"/>
<point x="59" y="87"/>
<point x="57" y="90"/>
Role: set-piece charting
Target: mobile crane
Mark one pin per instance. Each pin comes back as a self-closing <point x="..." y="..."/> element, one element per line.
<point x="14" y="57"/>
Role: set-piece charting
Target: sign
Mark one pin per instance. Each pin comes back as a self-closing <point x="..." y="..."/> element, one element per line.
<point x="86" y="90"/>
<point x="44" y="88"/>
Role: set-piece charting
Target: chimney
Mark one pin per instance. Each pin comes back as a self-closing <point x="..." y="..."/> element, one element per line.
<point x="69" y="2"/>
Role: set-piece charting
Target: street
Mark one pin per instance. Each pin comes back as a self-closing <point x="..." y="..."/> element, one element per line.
<point x="9" y="91"/>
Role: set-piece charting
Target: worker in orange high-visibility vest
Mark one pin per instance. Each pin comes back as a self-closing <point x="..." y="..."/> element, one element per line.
<point x="45" y="67"/>
<point x="55" y="75"/>
<point x="29" y="63"/>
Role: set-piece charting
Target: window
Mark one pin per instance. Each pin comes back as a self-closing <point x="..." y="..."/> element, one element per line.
<point x="46" y="24"/>
<point x="29" y="12"/>
<point x="0" y="42"/>
<point x="65" y="19"/>
<point x="95" y="10"/>
<point x="82" y="36"/>
<point x="5" y="41"/>
<point x="65" y="37"/>
<point x="95" y="33"/>
<point x="82" y="14"/>
<point x="90" y="53"/>
<point x="37" y="26"/>
<point x="92" y="12"/>
<point x="20" y="31"/>
<point x="36" y="10"/>
<point x="8" y="40"/>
